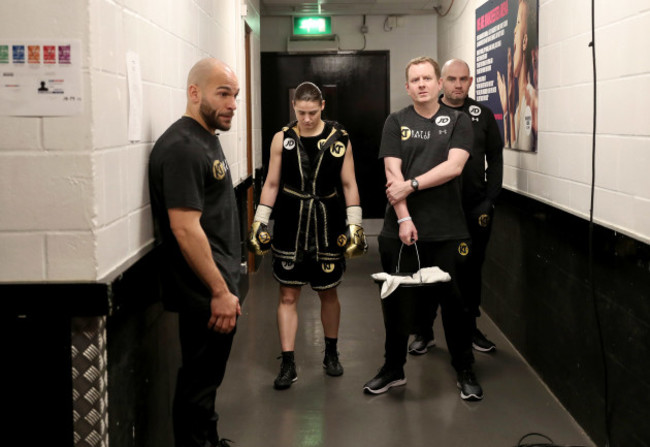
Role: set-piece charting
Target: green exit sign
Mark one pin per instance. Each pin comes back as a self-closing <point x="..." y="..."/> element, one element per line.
<point x="312" y="26"/>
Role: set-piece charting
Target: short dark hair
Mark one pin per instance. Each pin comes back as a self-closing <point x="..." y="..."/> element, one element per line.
<point x="423" y="60"/>
<point x="307" y="91"/>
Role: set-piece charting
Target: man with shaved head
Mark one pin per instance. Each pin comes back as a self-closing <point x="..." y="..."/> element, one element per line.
<point x="197" y="229"/>
<point x="481" y="183"/>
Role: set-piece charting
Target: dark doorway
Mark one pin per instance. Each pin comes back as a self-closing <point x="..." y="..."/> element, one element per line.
<point x="356" y="91"/>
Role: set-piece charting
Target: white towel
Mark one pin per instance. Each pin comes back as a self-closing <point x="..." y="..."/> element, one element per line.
<point x="430" y="275"/>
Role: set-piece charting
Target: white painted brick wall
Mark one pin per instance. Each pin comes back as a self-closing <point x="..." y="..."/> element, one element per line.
<point x="560" y="172"/>
<point x="22" y="256"/>
<point x="73" y="190"/>
<point x="70" y="255"/>
<point x="45" y="191"/>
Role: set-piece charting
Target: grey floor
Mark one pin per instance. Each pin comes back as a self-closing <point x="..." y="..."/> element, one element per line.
<point x="325" y="411"/>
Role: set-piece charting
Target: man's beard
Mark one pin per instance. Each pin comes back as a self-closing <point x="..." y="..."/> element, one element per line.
<point x="211" y="118"/>
<point x="456" y="100"/>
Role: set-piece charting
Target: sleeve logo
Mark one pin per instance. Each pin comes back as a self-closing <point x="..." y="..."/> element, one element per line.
<point x="484" y="220"/>
<point x="218" y="170"/>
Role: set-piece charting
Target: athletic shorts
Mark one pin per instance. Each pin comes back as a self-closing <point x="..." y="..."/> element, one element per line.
<point x="319" y="274"/>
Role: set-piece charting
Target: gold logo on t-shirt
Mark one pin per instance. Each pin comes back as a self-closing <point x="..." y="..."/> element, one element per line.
<point x="218" y="170"/>
<point x="406" y="133"/>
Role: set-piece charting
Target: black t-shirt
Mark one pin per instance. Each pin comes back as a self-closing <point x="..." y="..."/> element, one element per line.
<point x="422" y="144"/>
<point x="480" y="183"/>
<point x="188" y="169"/>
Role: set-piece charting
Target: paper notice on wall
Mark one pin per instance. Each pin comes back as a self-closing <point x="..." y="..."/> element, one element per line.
<point x="40" y="77"/>
<point x="134" y="77"/>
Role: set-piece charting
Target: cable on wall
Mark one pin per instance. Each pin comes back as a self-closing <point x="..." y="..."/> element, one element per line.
<point x="599" y="329"/>
<point x="438" y="8"/>
<point x="601" y="341"/>
<point x="544" y="444"/>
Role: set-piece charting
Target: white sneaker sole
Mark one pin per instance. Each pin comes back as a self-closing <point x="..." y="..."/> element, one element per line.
<point x="390" y="385"/>
<point x="285" y="387"/>
<point x="431" y="344"/>
<point x="471" y="396"/>
<point x="482" y="349"/>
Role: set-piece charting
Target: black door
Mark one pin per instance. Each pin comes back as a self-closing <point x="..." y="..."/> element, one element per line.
<point x="356" y="92"/>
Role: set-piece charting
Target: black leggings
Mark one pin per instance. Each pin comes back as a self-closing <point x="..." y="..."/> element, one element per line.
<point x="400" y="308"/>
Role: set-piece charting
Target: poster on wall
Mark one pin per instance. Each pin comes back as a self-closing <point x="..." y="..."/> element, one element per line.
<point x="40" y="77"/>
<point x="506" y="67"/>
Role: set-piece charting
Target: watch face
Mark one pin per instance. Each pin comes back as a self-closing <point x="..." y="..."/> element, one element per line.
<point x="414" y="184"/>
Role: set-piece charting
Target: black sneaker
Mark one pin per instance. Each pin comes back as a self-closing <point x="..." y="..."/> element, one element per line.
<point x="332" y="365"/>
<point x="421" y="345"/>
<point x="469" y="387"/>
<point x="385" y="380"/>
<point x="480" y="343"/>
<point x="286" y="377"/>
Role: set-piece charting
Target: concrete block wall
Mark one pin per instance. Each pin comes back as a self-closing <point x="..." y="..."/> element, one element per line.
<point x="74" y="196"/>
<point x="409" y="37"/>
<point x="560" y="172"/>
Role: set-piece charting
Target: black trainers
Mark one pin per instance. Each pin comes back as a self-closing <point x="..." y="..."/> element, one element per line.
<point x="332" y="365"/>
<point x="469" y="387"/>
<point x="287" y="375"/>
<point x="385" y="380"/>
<point x="421" y="345"/>
<point x="480" y="343"/>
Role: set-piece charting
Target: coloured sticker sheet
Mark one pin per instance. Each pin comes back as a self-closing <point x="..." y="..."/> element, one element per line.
<point x="40" y="77"/>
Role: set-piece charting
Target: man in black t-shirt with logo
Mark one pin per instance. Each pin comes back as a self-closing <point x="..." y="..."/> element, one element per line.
<point x="197" y="227"/>
<point x="425" y="147"/>
<point x="480" y="187"/>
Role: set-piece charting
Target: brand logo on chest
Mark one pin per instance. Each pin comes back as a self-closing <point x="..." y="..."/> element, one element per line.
<point x="415" y="134"/>
<point x="443" y="120"/>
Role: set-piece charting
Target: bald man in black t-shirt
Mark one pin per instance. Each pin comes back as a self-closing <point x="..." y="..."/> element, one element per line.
<point x="197" y="227"/>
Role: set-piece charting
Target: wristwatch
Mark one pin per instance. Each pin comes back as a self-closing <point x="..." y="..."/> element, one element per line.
<point x="414" y="184"/>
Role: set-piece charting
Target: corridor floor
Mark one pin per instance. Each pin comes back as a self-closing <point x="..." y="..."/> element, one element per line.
<point x="319" y="410"/>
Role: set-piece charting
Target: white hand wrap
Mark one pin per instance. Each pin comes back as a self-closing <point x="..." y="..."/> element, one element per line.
<point x="262" y="214"/>
<point x="354" y="215"/>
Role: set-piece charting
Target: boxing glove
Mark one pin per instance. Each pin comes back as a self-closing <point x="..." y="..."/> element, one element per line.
<point x="259" y="238"/>
<point x="355" y="239"/>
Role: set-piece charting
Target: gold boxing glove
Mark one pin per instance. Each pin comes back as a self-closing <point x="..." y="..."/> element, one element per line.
<point x="357" y="245"/>
<point x="259" y="239"/>
<point x="355" y="239"/>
